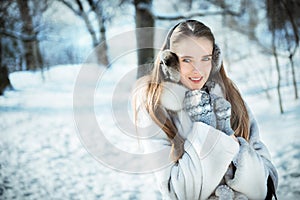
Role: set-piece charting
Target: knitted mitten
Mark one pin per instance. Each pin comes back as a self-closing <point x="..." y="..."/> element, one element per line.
<point x="222" y="109"/>
<point x="224" y="192"/>
<point x="197" y="103"/>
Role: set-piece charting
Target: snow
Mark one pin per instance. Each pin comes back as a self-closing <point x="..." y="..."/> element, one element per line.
<point x="42" y="155"/>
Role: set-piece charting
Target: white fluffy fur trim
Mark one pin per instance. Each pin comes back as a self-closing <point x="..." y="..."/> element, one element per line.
<point x="251" y="176"/>
<point x="172" y="96"/>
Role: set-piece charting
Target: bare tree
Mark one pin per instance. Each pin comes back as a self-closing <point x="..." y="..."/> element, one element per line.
<point x="275" y="54"/>
<point x="145" y="37"/>
<point x="86" y="8"/>
<point x="21" y="24"/>
<point x="20" y="28"/>
<point x="32" y="54"/>
<point x="283" y="18"/>
<point x="283" y="23"/>
<point x="4" y="79"/>
<point x="8" y="36"/>
<point x="292" y="37"/>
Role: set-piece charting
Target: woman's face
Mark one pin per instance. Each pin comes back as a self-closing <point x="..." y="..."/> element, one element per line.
<point x="195" y="56"/>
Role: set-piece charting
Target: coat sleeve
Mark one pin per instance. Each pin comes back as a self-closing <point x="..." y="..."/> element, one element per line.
<point x="207" y="155"/>
<point x="253" y="166"/>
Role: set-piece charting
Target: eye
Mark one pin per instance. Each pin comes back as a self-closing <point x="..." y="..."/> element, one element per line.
<point x="186" y="60"/>
<point x="206" y="58"/>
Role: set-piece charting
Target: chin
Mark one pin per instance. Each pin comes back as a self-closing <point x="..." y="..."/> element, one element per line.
<point x="192" y="86"/>
<point x="195" y="87"/>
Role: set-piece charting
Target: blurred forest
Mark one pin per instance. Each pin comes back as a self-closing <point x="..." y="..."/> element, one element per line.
<point x="38" y="34"/>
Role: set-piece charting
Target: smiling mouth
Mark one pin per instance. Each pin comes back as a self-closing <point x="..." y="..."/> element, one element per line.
<point x="195" y="79"/>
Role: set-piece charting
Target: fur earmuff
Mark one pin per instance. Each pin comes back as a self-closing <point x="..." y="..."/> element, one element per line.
<point x="170" y="66"/>
<point x="216" y="59"/>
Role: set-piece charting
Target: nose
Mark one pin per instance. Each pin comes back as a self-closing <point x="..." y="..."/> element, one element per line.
<point x="197" y="67"/>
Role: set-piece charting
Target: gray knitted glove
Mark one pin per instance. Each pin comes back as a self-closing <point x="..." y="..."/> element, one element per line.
<point x="222" y="109"/>
<point x="209" y="109"/>
<point x="197" y="104"/>
<point x="224" y="192"/>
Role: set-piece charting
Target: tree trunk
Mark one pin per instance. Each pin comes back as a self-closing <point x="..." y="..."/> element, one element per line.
<point x="32" y="55"/>
<point x="1" y="49"/>
<point x="278" y="79"/>
<point x="103" y="56"/>
<point x="294" y="76"/>
<point x="100" y="44"/>
<point x="90" y="29"/>
<point x="145" y="37"/>
<point x="4" y="79"/>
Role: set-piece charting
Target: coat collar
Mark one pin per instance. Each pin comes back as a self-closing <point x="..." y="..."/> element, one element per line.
<point x="173" y="95"/>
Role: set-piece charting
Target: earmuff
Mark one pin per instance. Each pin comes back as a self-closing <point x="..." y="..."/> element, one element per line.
<point x="216" y="59"/>
<point x="170" y="66"/>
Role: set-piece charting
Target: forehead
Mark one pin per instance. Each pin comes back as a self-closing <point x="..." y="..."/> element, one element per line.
<point x="191" y="46"/>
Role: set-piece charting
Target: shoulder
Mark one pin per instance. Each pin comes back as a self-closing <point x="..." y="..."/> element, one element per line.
<point x="172" y="96"/>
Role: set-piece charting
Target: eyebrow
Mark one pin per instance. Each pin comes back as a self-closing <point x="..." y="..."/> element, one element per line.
<point x="186" y="57"/>
<point x="193" y="57"/>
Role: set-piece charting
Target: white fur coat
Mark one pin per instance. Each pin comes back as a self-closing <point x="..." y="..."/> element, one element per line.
<point x="208" y="153"/>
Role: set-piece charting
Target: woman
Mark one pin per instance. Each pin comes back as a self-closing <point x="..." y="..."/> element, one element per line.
<point x="206" y="163"/>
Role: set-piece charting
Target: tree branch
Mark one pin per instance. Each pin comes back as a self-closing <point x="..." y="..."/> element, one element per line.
<point x="18" y="36"/>
<point x="292" y="21"/>
<point x="195" y="14"/>
<point x="69" y="5"/>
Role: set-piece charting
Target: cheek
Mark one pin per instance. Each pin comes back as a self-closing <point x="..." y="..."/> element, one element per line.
<point x="208" y="68"/>
<point x="184" y="68"/>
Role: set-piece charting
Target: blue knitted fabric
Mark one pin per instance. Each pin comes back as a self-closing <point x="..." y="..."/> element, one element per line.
<point x="209" y="109"/>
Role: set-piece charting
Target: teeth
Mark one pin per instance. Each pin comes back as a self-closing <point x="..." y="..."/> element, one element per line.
<point x="195" y="79"/>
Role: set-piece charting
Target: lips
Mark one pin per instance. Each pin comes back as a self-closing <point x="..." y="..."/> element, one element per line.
<point x="195" y="79"/>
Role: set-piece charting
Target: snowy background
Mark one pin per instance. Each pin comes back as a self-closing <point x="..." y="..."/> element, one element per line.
<point x="42" y="156"/>
<point x="41" y="152"/>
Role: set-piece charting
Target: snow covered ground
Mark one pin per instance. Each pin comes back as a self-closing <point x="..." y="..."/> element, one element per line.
<point x="42" y="157"/>
<point x="281" y="134"/>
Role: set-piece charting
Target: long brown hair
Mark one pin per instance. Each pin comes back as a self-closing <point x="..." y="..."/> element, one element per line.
<point x="239" y="116"/>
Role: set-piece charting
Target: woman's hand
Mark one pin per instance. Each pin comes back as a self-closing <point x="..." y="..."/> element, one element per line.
<point x="197" y="104"/>
<point x="222" y="109"/>
<point x="209" y="109"/>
